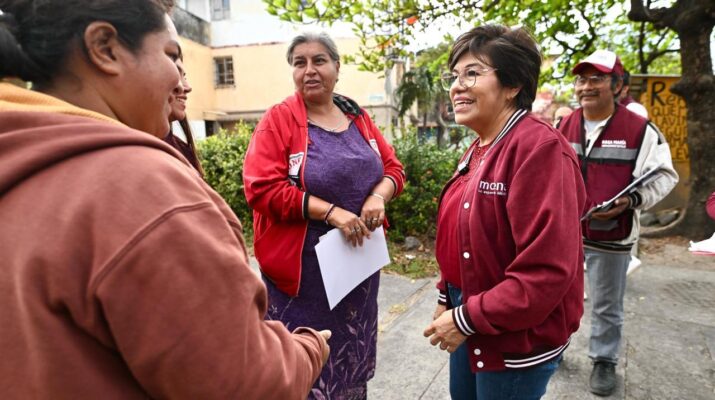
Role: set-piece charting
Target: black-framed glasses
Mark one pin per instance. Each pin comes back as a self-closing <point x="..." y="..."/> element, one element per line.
<point x="594" y="80"/>
<point x="467" y="78"/>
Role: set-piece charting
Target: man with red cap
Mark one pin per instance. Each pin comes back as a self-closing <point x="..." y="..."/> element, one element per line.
<point x="614" y="146"/>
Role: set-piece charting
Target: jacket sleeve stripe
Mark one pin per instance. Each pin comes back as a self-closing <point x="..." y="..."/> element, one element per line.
<point x="394" y="183"/>
<point x="462" y="321"/>
<point x="306" y="196"/>
<point x="442" y="299"/>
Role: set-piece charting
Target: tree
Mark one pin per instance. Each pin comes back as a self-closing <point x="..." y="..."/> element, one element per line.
<point x="421" y="85"/>
<point x="693" y="22"/>
<point x="642" y="47"/>
<point x="417" y="86"/>
<point x="568" y="29"/>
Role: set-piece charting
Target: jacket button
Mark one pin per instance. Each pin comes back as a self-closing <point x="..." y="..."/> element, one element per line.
<point x="477" y="352"/>
<point x="466" y="254"/>
<point x="480" y="364"/>
<point x="466" y="205"/>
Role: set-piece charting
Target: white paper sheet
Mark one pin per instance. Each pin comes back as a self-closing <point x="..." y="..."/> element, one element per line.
<point x="344" y="267"/>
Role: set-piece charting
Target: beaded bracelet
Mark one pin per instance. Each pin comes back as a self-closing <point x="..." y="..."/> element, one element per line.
<point x="327" y="213"/>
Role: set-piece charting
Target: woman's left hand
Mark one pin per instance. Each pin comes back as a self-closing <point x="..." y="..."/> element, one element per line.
<point x="373" y="212"/>
<point x="443" y="332"/>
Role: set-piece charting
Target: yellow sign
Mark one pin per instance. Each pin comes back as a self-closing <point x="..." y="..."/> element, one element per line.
<point x="668" y="112"/>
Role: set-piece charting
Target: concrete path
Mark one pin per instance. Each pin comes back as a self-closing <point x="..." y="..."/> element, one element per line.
<point x="668" y="351"/>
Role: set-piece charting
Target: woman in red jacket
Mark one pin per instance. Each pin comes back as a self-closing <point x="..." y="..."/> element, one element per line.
<point x="508" y="233"/>
<point x="317" y="162"/>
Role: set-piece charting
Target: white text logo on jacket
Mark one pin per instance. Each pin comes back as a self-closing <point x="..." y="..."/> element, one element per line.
<point x="492" y="188"/>
<point x="619" y="144"/>
<point x="294" y="162"/>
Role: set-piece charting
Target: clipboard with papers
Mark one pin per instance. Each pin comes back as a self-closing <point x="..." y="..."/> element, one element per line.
<point x="644" y="179"/>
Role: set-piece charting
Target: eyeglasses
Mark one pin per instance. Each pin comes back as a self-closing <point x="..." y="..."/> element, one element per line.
<point x="594" y="80"/>
<point x="467" y="78"/>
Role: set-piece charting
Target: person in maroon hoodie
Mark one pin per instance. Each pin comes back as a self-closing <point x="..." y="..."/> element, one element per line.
<point x="123" y="275"/>
<point x="711" y="206"/>
<point x="508" y="232"/>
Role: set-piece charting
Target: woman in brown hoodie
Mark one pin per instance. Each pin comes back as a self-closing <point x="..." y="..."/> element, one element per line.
<point x="122" y="274"/>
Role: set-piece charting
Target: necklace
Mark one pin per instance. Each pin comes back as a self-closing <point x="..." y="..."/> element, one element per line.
<point x="333" y="130"/>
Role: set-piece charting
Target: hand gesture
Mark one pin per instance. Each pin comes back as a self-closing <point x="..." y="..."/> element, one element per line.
<point x="619" y="206"/>
<point x="326" y="334"/>
<point x="373" y="212"/>
<point x="444" y="332"/>
<point x="441" y="308"/>
<point x="352" y="227"/>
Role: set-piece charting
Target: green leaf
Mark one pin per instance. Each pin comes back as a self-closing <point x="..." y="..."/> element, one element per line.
<point x="311" y="12"/>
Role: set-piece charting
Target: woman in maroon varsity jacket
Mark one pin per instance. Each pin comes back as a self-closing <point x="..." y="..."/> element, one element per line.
<point x="508" y="234"/>
<point x="317" y="162"/>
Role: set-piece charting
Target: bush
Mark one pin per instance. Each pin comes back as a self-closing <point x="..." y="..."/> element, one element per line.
<point x="222" y="157"/>
<point x="428" y="168"/>
<point x="414" y="213"/>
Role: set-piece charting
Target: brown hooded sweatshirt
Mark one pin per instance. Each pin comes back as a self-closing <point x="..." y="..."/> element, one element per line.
<point x="122" y="274"/>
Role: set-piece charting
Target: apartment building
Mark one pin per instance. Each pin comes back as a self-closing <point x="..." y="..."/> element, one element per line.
<point x="234" y="56"/>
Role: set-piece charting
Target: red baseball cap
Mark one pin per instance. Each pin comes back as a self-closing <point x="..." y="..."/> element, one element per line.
<point x="603" y="60"/>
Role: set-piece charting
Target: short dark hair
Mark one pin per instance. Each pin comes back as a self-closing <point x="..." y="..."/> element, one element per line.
<point x="615" y="78"/>
<point x="626" y="78"/>
<point x="512" y="52"/>
<point x="36" y="36"/>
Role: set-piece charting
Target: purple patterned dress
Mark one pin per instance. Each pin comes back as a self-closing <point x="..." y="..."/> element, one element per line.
<point x="341" y="168"/>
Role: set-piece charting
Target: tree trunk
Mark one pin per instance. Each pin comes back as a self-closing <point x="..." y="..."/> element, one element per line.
<point x="697" y="87"/>
<point x="693" y="21"/>
<point x="441" y="126"/>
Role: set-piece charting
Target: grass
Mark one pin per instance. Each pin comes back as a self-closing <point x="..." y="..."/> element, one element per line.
<point x="418" y="263"/>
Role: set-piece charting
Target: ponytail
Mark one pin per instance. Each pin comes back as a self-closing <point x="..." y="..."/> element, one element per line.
<point x="13" y="60"/>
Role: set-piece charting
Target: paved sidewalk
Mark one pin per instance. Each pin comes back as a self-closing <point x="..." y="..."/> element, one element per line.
<point x="668" y="351"/>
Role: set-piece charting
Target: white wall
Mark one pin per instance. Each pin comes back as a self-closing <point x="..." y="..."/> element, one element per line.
<point x="200" y="8"/>
<point x="198" y="129"/>
<point x="251" y="24"/>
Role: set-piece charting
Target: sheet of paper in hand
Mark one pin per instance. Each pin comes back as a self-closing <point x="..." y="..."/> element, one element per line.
<point x="344" y="267"/>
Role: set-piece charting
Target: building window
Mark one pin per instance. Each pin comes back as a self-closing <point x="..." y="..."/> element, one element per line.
<point x="223" y="67"/>
<point x="220" y="10"/>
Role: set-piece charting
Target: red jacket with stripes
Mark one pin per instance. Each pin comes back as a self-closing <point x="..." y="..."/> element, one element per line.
<point x="521" y="253"/>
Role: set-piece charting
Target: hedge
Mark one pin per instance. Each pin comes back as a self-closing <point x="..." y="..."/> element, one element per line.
<point x="428" y="168"/>
<point x="222" y="159"/>
<point x="413" y="213"/>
